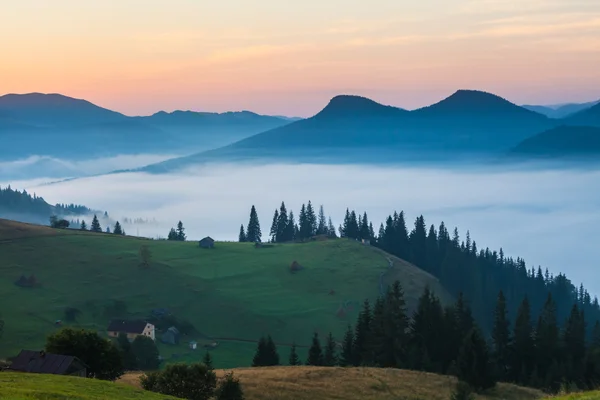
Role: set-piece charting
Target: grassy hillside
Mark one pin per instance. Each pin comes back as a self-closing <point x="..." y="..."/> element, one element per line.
<point x="16" y="386"/>
<point x="307" y="383"/>
<point x="232" y="294"/>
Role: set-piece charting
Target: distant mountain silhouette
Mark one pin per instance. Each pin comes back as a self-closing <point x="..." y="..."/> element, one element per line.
<point x="562" y="141"/>
<point x="59" y="126"/>
<point x="560" y="111"/>
<point x="351" y="126"/>
<point x="588" y="117"/>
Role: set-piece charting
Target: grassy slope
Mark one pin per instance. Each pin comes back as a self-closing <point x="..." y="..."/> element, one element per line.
<point x="231" y="292"/>
<point x="16" y="386"/>
<point x="307" y="383"/>
<point x="580" y="396"/>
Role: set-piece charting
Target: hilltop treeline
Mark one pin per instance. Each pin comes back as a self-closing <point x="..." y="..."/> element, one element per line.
<point x="459" y="264"/>
<point x="448" y="340"/>
<point x="20" y="202"/>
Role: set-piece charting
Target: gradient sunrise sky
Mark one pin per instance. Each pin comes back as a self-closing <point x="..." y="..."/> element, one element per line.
<point x="291" y="57"/>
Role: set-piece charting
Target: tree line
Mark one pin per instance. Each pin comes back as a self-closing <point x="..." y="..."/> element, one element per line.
<point x="458" y="263"/>
<point x="448" y="340"/>
<point x="55" y="222"/>
<point x="15" y="201"/>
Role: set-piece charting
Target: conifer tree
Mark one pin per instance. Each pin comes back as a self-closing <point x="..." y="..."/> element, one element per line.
<point x="273" y="231"/>
<point x="294" y="359"/>
<point x="522" y="349"/>
<point x="311" y="220"/>
<point x="207" y="360"/>
<point x="291" y="229"/>
<point x="397" y="324"/>
<point x="172" y="234"/>
<point x="282" y="224"/>
<point x="322" y="222"/>
<point x="107" y="229"/>
<point x="242" y="235"/>
<point x="547" y="344"/>
<point x="315" y="354"/>
<point x="379" y="347"/>
<point x="271" y="352"/>
<point x="574" y="344"/>
<point x="180" y="232"/>
<point x="418" y="244"/>
<point x="362" y="332"/>
<point x="118" y="230"/>
<point x="261" y="357"/>
<point x="83" y="226"/>
<point x="347" y="356"/>
<point x="331" y="229"/>
<point x="304" y="229"/>
<point x="501" y="337"/>
<point x="95" y="225"/>
<point x="330" y="359"/>
<point x="253" y="233"/>
<point x="473" y="364"/>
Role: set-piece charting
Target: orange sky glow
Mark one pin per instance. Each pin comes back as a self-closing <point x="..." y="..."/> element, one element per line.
<point x="274" y="57"/>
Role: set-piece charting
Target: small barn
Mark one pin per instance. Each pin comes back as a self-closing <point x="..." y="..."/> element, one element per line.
<point x="171" y="336"/>
<point x="40" y="362"/>
<point x="193" y="345"/>
<point x="207" y="243"/>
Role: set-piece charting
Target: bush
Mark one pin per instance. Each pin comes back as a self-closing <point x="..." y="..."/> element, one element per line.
<point x="229" y="388"/>
<point x="186" y="381"/>
<point x="146" y="353"/>
<point x="102" y="357"/>
<point x="462" y="392"/>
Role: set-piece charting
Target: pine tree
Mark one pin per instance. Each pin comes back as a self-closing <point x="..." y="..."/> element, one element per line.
<point x="311" y="220"/>
<point x="180" y="232"/>
<point x="347" y="356"/>
<point x="331" y="229"/>
<point x="304" y="229"/>
<point x="322" y="222"/>
<point x="547" y="345"/>
<point x="271" y="352"/>
<point x="207" y="360"/>
<point x="291" y="229"/>
<point x="282" y="223"/>
<point x="294" y="359"/>
<point x="362" y="355"/>
<point x="473" y="364"/>
<point x="315" y="354"/>
<point x="172" y="234"/>
<point x="522" y="349"/>
<point x="242" y="235"/>
<point x="330" y="359"/>
<point x="118" y="230"/>
<point x="574" y="344"/>
<point x="381" y="351"/>
<point x="261" y="358"/>
<point x="107" y="229"/>
<point x="95" y="225"/>
<point x="273" y="231"/>
<point x="83" y="226"/>
<point x="501" y="337"/>
<point x="253" y="233"/>
<point x="397" y="324"/>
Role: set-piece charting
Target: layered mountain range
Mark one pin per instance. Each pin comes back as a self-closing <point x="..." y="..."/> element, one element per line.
<point x="467" y="125"/>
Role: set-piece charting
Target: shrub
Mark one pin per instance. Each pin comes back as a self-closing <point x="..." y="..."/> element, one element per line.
<point x="146" y="353"/>
<point x="462" y="392"/>
<point x="186" y="381"/>
<point x="229" y="388"/>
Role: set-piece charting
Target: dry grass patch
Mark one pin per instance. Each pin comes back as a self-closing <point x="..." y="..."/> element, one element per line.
<point x="309" y="383"/>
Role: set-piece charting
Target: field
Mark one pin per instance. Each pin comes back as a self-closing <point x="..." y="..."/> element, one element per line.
<point x="232" y="294"/>
<point x="308" y="383"/>
<point x="16" y="386"/>
<point x="580" y="396"/>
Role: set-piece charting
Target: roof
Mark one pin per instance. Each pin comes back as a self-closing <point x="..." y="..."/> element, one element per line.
<point x="174" y="330"/>
<point x="134" y="326"/>
<point x="45" y="363"/>
<point x="208" y="238"/>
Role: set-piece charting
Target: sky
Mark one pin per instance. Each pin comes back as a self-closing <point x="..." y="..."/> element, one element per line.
<point x="547" y="217"/>
<point x="290" y="58"/>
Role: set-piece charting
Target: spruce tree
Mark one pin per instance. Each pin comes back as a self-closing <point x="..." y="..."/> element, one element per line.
<point x="118" y="230"/>
<point x="304" y="229"/>
<point x="261" y="357"/>
<point x="83" y="226"/>
<point x="501" y="337"/>
<point x="574" y="344"/>
<point x="347" y="356"/>
<point x="180" y="232"/>
<point x="291" y="229"/>
<point x="473" y="364"/>
<point x="311" y="220"/>
<point x="271" y="352"/>
<point x="273" y="231"/>
<point x="242" y="235"/>
<point x="322" y="222"/>
<point x="547" y="345"/>
<point x="253" y="233"/>
<point x="172" y="234"/>
<point x="330" y="359"/>
<point x="397" y="324"/>
<point x="522" y="349"/>
<point x="294" y="359"/>
<point x="107" y="229"/>
<point x="331" y="229"/>
<point x="95" y="225"/>
<point x="315" y="354"/>
<point x="207" y="360"/>
<point x="282" y="224"/>
<point x="362" y="332"/>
